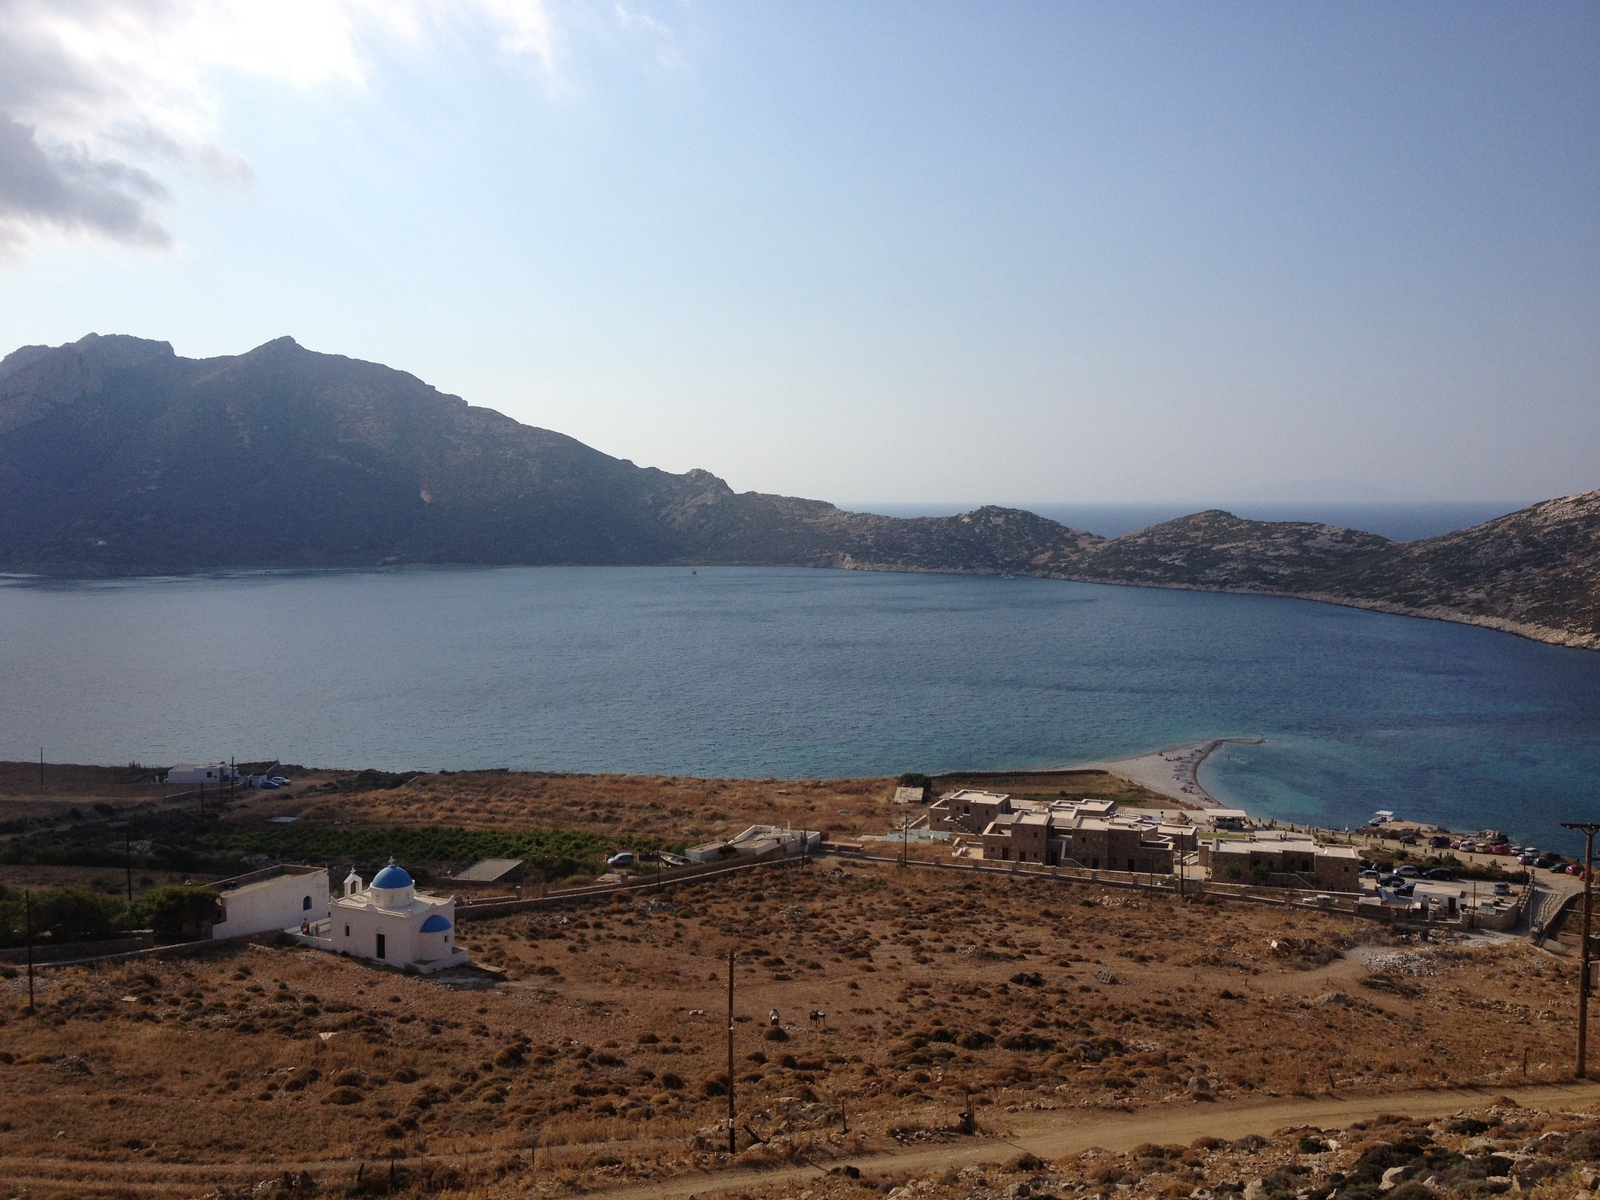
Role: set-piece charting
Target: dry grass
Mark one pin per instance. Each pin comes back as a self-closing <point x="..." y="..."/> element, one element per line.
<point x="619" y="806"/>
<point x="607" y="1043"/>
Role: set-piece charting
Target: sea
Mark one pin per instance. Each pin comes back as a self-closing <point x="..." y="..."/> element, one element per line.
<point x="772" y="672"/>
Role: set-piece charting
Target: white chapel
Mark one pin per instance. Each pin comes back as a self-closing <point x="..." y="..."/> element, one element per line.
<point x="388" y="921"/>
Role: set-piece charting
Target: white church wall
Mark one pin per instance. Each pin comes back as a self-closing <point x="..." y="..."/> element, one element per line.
<point x="280" y="902"/>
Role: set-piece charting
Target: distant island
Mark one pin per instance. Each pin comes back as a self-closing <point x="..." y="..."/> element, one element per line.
<point x="118" y="457"/>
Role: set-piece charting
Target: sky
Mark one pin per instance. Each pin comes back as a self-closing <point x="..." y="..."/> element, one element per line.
<point x="899" y="252"/>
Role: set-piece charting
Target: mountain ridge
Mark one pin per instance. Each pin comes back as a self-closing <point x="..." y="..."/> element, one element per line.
<point x="119" y="457"/>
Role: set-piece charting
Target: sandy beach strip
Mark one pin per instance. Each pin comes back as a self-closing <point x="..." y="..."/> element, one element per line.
<point x="1174" y="771"/>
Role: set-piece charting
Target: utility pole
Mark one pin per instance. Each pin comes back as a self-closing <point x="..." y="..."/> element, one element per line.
<point x="127" y="835"/>
<point x="732" y="1132"/>
<point x="1588" y="829"/>
<point x="27" y="918"/>
<point x="41" y="766"/>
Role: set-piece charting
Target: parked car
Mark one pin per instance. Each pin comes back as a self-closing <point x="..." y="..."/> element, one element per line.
<point x="1440" y="874"/>
<point x="1528" y="860"/>
<point x="1502" y="889"/>
<point x="623" y="858"/>
<point x="1405" y="889"/>
<point x="280" y="781"/>
<point x="1439" y="842"/>
<point x="1406" y="870"/>
<point x="266" y="785"/>
<point x="1374" y="876"/>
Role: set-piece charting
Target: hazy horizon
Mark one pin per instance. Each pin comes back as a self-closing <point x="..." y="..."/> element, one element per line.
<point x="886" y="252"/>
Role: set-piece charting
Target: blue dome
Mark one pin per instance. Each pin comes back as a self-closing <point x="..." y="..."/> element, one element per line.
<point x="391" y="877"/>
<point x="435" y="924"/>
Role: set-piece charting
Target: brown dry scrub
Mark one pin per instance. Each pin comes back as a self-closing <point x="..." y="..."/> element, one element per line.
<point x="674" y="808"/>
<point x="607" y="1044"/>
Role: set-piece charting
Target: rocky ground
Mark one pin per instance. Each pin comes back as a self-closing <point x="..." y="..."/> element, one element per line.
<point x="601" y="1060"/>
<point x="1499" y="1149"/>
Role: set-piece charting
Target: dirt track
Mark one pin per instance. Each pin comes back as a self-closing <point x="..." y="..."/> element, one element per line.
<point x="1051" y="1135"/>
<point x="1048" y="1135"/>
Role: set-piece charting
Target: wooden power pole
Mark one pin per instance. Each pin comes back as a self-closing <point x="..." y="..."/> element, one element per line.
<point x="27" y="918"/>
<point x="732" y="1134"/>
<point x="1588" y="829"/>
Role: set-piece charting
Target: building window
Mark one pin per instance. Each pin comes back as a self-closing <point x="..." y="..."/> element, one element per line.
<point x="380" y="946"/>
<point x="347" y="931"/>
<point x="305" y="905"/>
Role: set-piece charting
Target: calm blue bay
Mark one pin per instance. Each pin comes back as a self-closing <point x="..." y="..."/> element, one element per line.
<point x="757" y="671"/>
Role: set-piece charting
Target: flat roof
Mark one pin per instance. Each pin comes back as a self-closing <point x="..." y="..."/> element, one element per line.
<point x="489" y="870"/>
<point x="266" y="875"/>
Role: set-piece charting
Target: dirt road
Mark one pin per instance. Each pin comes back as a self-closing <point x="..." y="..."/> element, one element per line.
<point x="1053" y="1134"/>
<point x="1046" y="1134"/>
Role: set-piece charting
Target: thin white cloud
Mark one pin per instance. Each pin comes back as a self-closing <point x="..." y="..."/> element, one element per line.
<point x="100" y="98"/>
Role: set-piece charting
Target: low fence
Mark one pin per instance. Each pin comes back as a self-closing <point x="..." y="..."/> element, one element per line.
<point x="49" y="952"/>
<point x="82" y="954"/>
<point x="485" y="910"/>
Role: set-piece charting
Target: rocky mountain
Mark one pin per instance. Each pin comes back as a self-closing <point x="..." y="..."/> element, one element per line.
<point x="119" y="457"/>
<point x="1216" y="550"/>
<point x="1534" y="572"/>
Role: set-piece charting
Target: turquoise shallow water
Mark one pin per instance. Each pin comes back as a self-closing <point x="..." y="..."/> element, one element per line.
<point x="758" y="671"/>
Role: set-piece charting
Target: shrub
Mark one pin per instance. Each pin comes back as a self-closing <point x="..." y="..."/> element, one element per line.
<point x="178" y="911"/>
<point x="1584" y="1145"/>
<point x="344" y="1095"/>
<point x="63" y="914"/>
